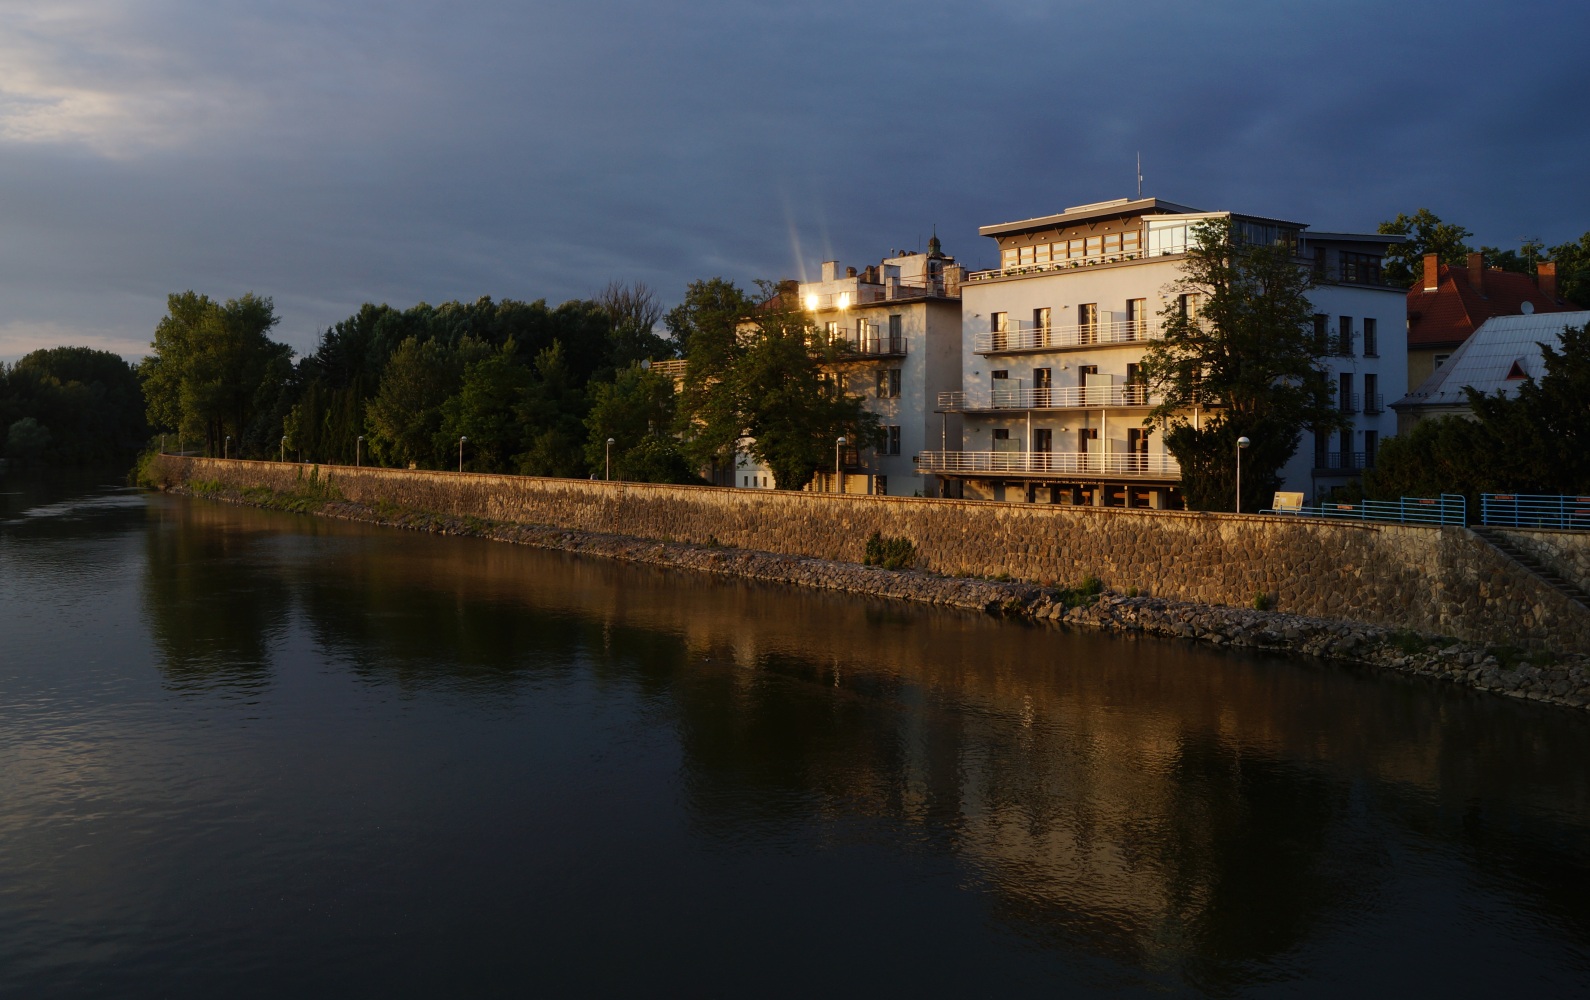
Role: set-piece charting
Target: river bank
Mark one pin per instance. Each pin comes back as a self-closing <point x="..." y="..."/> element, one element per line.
<point x="1553" y="678"/>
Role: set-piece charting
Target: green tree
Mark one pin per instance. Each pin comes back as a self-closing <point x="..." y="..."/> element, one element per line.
<point x="711" y="328"/>
<point x="486" y="410"/>
<point x="404" y="420"/>
<point x="1573" y="269"/>
<point x="1238" y="359"/>
<point x="795" y="399"/>
<point x="636" y="410"/>
<point x="553" y="414"/>
<point x="1426" y="233"/>
<point x="90" y="401"/>
<point x="213" y="366"/>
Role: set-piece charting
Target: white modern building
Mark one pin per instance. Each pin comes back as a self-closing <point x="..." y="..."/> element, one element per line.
<point x="898" y="327"/>
<point x="1051" y="403"/>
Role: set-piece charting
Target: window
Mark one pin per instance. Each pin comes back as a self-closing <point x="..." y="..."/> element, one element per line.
<point x="1441" y="359"/>
<point x="1344" y="394"/>
<point x="1040" y="318"/>
<point x="896" y="336"/>
<point x="1008" y="257"/>
<point x="999" y="322"/>
<point x="1042" y="380"/>
<point x="1003" y="441"/>
<point x="1322" y="334"/>
<point x="1322" y="449"/>
<point x="892" y="445"/>
<point x="1371" y="344"/>
<point x="880" y="485"/>
<point x="888" y="383"/>
<point x="1137" y="317"/>
<point x="1000" y="374"/>
<point x="1131" y="241"/>
<point x="1112" y="243"/>
<point x="1344" y="336"/>
<point x="1360" y="268"/>
<point x="1095" y="245"/>
<point x="1371" y="445"/>
<point x="1372" y="394"/>
<point x="1189" y="304"/>
<point x="1088" y="321"/>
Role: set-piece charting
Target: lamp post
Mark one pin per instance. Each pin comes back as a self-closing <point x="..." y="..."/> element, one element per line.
<point x="226" y="447"/>
<point x="284" y="447"/>
<point x="1242" y="443"/>
<point x="358" y="452"/>
<point x="839" y="477"/>
<point x="461" y="440"/>
<point x="610" y="459"/>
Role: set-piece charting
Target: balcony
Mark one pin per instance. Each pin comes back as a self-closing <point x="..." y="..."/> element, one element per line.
<point x="1031" y="337"/>
<point x="1342" y="461"/>
<point x="1092" y="397"/>
<point x="1374" y="403"/>
<point x="1347" y="402"/>
<point x="1091" y="260"/>
<point x="892" y="290"/>
<point x="1050" y="464"/>
<point x="870" y="344"/>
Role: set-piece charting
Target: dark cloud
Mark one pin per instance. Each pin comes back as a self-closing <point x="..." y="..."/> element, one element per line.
<point x="328" y="154"/>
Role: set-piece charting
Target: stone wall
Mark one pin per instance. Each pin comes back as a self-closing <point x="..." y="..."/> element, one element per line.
<point x="1567" y="552"/>
<point x="1435" y="579"/>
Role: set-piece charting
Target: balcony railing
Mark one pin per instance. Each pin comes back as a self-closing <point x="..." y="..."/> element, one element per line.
<point x="892" y="290"/>
<point x="1343" y="461"/>
<point x="1374" y="402"/>
<point x="1347" y="402"/>
<point x="1092" y="260"/>
<point x="870" y="344"/>
<point x="1050" y="463"/>
<point x="1031" y="337"/>
<point x="1068" y="398"/>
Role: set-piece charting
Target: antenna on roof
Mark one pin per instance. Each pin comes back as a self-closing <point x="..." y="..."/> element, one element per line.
<point x="1140" y="173"/>
<point x="1531" y="244"/>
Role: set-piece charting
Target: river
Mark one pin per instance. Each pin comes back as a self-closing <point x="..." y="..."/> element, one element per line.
<point x="247" y="753"/>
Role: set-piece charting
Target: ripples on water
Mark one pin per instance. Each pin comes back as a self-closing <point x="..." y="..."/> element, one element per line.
<point x="244" y="753"/>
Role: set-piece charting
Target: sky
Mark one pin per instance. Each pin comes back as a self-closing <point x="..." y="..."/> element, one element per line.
<point x="331" y="154"/>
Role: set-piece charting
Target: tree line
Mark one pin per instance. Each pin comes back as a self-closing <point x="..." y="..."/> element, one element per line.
<point x="526" y="388"/>
<point x="70" y="406"/>
<point x="1427" y="233"/>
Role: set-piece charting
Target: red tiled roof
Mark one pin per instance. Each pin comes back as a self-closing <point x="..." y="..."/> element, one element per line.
<point x="1446" y="316"/>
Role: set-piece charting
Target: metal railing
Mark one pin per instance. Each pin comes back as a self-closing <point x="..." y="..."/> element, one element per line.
<point x="1051" y="463"/>
<point x="1347" y="402"/>
<point x="1032" y="337"/>
<point x="892" y="290"/>
<point x="1343" y="461"/>
<point x="871" y="343"/>
<point x="1052" y="398"/>
<point x="1374" y="403"/>
<point x="1516" y="510"/>
<point x="1449" y="508"/>
<point x="1090" y="260"/>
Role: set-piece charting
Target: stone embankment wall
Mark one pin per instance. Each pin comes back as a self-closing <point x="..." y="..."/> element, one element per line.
<point x="1567" y="552"/>
<point x="1443" y="580"/>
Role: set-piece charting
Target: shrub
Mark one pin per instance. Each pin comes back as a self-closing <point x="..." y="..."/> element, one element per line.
<point x="890" y="553"/>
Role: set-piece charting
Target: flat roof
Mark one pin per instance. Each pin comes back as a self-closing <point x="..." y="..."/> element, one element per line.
<point x="1081" y="213"/>
<point x="1355" y="237"/>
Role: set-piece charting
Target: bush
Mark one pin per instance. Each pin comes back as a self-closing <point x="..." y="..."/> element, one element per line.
<point x="890" y="553"/>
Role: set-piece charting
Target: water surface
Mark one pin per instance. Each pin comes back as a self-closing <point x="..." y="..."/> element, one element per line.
<point x="253" y="754"/>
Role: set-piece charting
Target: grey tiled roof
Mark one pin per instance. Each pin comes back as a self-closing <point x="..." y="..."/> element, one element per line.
<point x="1488" y="356"/>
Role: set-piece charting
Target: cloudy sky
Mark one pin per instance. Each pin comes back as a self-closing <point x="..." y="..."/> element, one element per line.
<point x="331" y="153"/>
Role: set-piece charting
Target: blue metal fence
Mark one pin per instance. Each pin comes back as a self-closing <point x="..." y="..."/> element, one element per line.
<point x="1517" y="510"/>
<point x="1449" y="508"/>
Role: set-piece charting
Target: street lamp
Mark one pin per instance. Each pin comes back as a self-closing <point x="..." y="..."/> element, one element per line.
<point x="461" y="440"/>
<point x="839" y="481"/>
<point x="1242" y="443"/>
<point x="610" y="459"/>
<point x="226" y="448"/>
<point x="284" y="447"/>
<point x="358" y="452"/>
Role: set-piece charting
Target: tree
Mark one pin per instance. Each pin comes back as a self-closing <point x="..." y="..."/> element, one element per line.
<point x="711" y="328"/>
<point x="636" y="410"/>
<point x="1404" y="263"/>
<point x="633" y="312"/>
<point x="89" y="401"/>
<point x="212" y="367"/>
<point x="485" y="409"/>
<point x="404" y="419"/>
<point x="1238" y="359"/>
<point x="1573" y="269"/>
<point x="553" y="414"/>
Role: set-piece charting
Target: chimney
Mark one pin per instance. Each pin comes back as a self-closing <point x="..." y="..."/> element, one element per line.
<point x="1477" y="273"/>
<point x="1546" y="278"/>
<point x="1432" y="272"/>
<point x="830" y="270"/>
<point x="850" y="272"/>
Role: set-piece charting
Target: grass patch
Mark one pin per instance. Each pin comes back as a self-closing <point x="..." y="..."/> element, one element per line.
<point x="1513" y="657"/>
<point x="1085" y="592"/>
<point x="1263" y="601"/>
<point x="1407" y="642"/>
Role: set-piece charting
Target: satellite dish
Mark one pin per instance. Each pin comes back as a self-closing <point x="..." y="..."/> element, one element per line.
<point x="1527" y="308"/>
